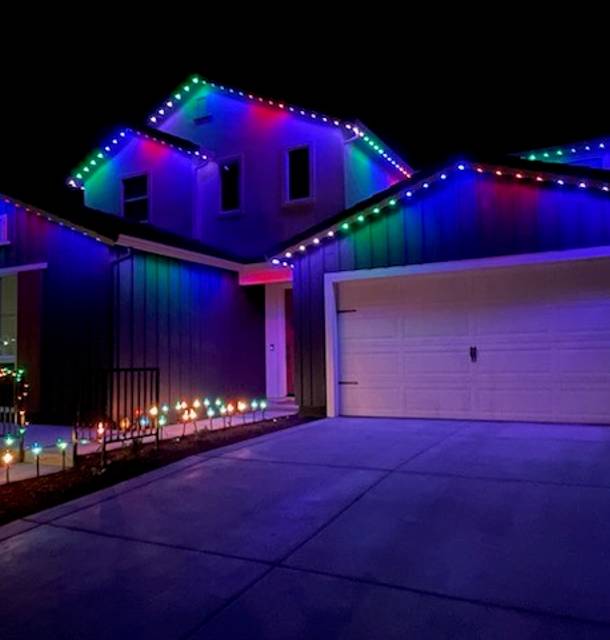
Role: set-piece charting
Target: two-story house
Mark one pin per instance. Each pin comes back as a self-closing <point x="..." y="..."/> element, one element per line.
<point x="243" y="245"/>
<point x="166" y="264"/>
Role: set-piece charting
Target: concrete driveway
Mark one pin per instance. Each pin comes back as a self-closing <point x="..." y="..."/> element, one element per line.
<point x="342" y="528"/>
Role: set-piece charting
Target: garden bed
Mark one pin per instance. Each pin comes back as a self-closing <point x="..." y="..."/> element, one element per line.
<point x="23" y="498"/>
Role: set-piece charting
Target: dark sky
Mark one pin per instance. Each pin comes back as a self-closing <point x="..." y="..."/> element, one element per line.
<point x="424" y="93"/>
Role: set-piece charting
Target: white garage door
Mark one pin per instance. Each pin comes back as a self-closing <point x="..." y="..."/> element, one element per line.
<point x="511" y="343"/>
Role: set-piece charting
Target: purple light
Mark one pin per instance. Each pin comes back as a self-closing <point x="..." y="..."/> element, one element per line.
<point x="582" y="185"/>
<point x="275" y="261"/>
<point x="461" y="167"/>
<point x="409" y="194"/>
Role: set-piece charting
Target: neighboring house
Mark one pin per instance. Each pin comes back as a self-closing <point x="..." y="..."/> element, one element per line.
<point x="165" y="264"/>
<point x="243" y="245"/>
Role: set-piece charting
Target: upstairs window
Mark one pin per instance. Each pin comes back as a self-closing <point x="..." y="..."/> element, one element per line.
<point x="135" y="198"/>
<point x="230" y="185"/>
<point x="299" y="174"/>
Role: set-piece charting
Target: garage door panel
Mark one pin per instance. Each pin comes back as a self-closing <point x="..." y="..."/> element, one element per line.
<point x="514" y="402"/>
<point x="361" y="366"/>
<point x="443" y="361"/>
<point x="429" y="400"/>
<point x="494" y="360"/>
<point x="586" y="403"/>
<point x="354" y="326"/>
<point x="584" y="360"/>
<point x="586" y="317"/>
<point x="434" y="322"/>
<point x="542" y="335"/>
<point x="371" y="401"/>
<point x="521" y="321"/>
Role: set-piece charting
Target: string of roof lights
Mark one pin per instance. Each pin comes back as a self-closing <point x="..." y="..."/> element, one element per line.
<point x="50" y="218"/>
<point x="559" y="152"/>
<point x="113" y="146"/>
<point x="412" y="190"/>
<point x="187" y="90"/>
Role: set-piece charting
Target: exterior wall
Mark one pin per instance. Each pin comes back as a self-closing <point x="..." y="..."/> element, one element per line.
<point x="171" y="183"/>
<point x="467" y="217"/>
<point x="365" y="175"/>
<point x="63" y="310"/>
<point x="260" y="137"/>
<point x="204" y="331"/>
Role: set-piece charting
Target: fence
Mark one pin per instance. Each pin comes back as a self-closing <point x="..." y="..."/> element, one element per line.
<point x="113" y="407"/>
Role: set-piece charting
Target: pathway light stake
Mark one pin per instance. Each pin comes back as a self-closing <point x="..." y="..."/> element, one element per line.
<point x="223" y="413"/>
<point x="230" y="412"/>
<point x="7" y="458"/>
<point x="62" y="445"/>
<point x="242" y="407"/>
<point x="263" y="406"/>
<point x="154" y="416"/>
<point x="211" y="413"/>
<point x="254" y="407"/>
<point x="36" y="451"/>
<point x="22" y="431"/>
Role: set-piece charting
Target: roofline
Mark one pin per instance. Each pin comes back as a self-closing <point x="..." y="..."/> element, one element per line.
<point x="555" y="153"/>
<point x="540" y="173"/>
<point x="115" y="143"/>
<point x="176" y="100"/>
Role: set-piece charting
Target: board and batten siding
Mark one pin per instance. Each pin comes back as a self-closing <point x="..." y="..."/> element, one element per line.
<point x="204" y="332"/>
<point x="465" y="218"/>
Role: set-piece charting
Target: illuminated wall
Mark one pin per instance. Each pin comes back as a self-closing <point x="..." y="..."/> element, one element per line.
<point x="365" y="175"/>
<point x="171" y="179"/>
<point x="204" y="331"/>
<point x="260" y="137"/>
<point x="465" y="217"/>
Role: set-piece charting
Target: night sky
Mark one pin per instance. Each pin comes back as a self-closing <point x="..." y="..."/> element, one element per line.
<point x="427" y="101"/>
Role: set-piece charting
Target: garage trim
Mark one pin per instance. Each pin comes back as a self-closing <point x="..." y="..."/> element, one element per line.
<point x="332" y="279"/>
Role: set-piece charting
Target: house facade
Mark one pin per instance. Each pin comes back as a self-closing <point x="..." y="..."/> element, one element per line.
<point x="240" y="244"/>
<point x="164" y="263"/>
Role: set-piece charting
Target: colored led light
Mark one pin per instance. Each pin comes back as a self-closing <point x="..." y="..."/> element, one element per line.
<point x="461" y="167"/>
<point x="376" y="210"/>
<point x="443" y="176"/>
<point x="316" y="240"/>
<point x="275" y="261"/>
<point x="582" y="185"/>
<point x="302" y="247"/>
<point x="288" y="254"/>
<point x="360" y="218"/>
<point x="345" y="226"/>
<point x="330" y="234"/>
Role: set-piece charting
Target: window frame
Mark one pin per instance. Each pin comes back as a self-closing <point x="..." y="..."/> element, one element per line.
<point x="147" y="197"/>
<point x="239" y="158"/>
<point x="287" y="201"/>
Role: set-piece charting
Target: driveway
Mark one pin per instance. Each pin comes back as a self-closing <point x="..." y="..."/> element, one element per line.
<point x="342" y="528"/>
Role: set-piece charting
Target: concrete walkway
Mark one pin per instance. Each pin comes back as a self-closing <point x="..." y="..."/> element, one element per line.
<point x="342" y="528"/>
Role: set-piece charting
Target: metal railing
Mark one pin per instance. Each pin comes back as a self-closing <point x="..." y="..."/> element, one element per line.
<point x="114" y="405"/>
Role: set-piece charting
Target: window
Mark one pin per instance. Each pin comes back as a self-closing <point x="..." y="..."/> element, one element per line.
<point x="299" y="174"/>
<point x="135" y="198"/>
<point x="230" y="185"/>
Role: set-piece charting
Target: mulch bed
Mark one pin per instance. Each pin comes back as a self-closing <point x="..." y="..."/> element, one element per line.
<point x="35" y="494"/>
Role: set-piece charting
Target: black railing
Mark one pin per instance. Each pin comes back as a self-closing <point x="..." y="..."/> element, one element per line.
<point x="114" y="407"/>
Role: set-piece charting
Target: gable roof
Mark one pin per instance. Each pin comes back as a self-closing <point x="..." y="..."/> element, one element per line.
<point x="372" y="143"/>
<point x="505" y="168"/>
<point x="115" y="143"/>
<point x="565" y="152"/>
<point x="115" y="230"/>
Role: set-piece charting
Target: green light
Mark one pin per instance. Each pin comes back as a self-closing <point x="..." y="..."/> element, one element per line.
<point x="360" y="218"/>
<point x="62" y="445"/>
<point x="9" y="440"/>
<point x="392" y="202"/>
<point x="36" y="449"/>
<point x="195" y="80"/>
<point x="345" y="226"/>
<point x="162" y="421"/>
<point x="79" y="176"/>
<point x="532" y="156"/>
<point x="93" y="163"/>
<point x="546" y="154"/>
<point x="100" y="155"/>
<point x="376" y="210"/>
<point x="559" y="152"/>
